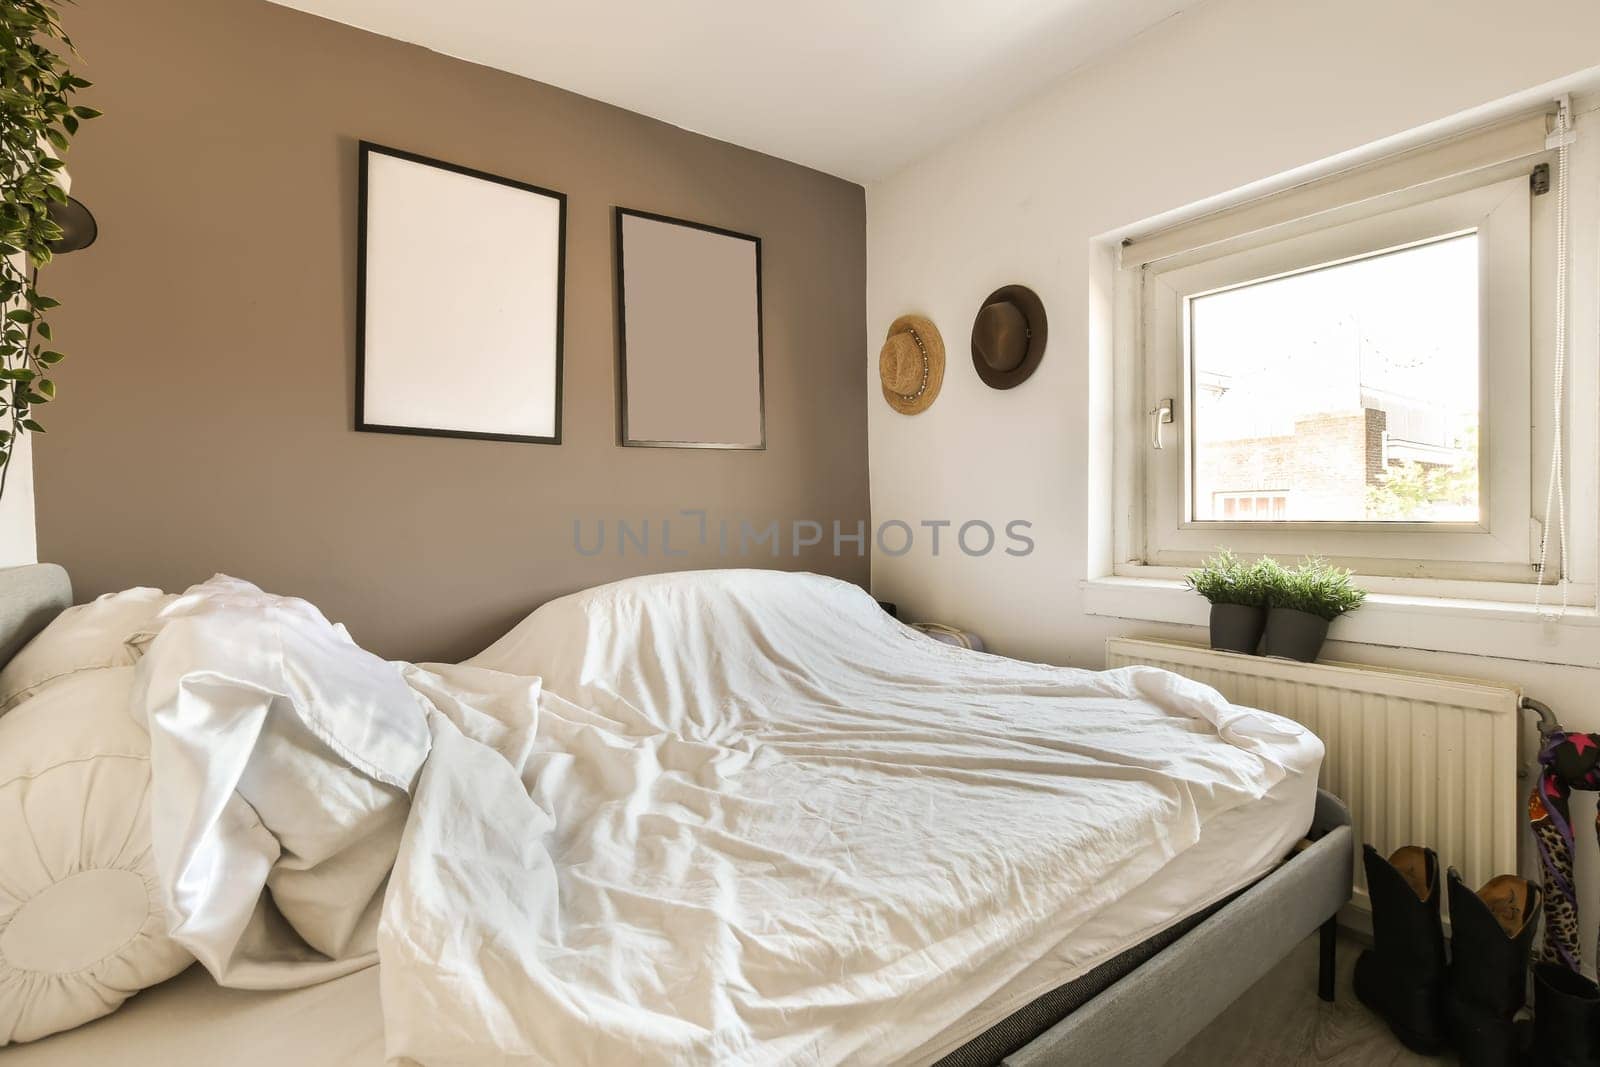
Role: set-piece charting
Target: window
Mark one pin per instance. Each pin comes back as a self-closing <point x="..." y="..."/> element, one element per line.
<point x="1362" y="365"/>
<point x="1355" y="383"/>
<point x="1262" y="507"/>
<point x="1353" y="386"/>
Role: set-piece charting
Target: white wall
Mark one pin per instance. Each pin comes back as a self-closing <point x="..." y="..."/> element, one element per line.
<point x="17" y="538"/>
<point x="17" y="545"/>
<point x="1230" y="93"/>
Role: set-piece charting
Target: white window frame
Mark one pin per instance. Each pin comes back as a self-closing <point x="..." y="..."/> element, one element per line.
<point x="1502" y="545"/>
<point x="1461" y="615"/>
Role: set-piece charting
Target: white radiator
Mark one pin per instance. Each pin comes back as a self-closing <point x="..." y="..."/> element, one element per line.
<point x="1420" y="759"/>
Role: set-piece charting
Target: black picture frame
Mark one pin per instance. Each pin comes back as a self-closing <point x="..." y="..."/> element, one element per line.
<point x="366" y="150"/>
<point x="620" y="297"/>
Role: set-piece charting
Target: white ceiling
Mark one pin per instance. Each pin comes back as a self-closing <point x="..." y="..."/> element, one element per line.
<point x="857" y="88"/>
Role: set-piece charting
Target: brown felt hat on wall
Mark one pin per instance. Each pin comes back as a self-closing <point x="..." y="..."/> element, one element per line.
<point x="911" y="364"/>
<point x="1008" y="336"/>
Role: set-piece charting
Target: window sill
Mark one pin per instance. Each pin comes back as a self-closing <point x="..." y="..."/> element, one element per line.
<point x="1437" y="624"/>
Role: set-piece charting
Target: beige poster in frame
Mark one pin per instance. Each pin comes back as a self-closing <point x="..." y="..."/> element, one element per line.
<point x="689" y="347"/>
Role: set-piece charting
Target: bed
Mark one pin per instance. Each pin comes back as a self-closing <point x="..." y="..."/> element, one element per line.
<point x="1191" y="936"/>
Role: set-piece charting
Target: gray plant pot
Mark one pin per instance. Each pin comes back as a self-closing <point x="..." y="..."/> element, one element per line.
<point x="1295" y="634"/>
<point x="1237" y="628"/>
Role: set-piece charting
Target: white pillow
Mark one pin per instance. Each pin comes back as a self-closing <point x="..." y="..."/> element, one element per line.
<point x="257" y="698"/>
<point x="81" y="638"/>
<point x="81" y="921"/>
<point x="221" y="591"/>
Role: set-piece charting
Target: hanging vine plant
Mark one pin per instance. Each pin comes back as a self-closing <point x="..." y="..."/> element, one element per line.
<point x="37" y="122"/>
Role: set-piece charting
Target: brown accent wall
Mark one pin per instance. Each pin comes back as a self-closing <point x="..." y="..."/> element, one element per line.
<point x="205" y="411"/>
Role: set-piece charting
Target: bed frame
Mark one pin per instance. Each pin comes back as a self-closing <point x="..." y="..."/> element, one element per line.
<point x="1192" y="971"/>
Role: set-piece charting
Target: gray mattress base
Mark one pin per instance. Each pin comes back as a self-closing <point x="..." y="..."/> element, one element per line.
<point x="1031" y="1020"/>
<point x="1193" y="970"/>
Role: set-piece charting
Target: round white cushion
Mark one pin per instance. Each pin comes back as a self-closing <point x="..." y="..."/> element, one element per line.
<point x="82" y="926"/>
<point x="84" y="637"/>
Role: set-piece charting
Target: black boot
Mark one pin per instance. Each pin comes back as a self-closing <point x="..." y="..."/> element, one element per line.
<point x="1566" y="1018"/>
<point x="1491" y="936"/>
<point x="1402" y="976"/>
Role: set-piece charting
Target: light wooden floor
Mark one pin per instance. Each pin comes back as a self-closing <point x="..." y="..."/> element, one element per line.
<point x="1281" y="1021"/>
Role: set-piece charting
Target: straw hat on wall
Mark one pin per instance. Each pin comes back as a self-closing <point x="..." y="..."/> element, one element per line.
<point x="911" y="364"/>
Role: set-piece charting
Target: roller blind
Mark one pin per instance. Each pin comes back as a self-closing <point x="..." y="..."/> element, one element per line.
<point x="1475" y="150"/>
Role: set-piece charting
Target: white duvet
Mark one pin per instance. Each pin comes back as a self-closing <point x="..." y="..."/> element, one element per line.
<point x="764" y="823"/>
<point x="729" y="817"/>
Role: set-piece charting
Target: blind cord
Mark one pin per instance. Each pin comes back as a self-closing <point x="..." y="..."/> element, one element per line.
<point x="1555" y="490"/>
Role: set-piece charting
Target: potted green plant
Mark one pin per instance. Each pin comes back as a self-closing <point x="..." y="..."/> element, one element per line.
<point x="37" y="122"/>
<point x="1237" y="592"/>
<point x="1302" y="603"/>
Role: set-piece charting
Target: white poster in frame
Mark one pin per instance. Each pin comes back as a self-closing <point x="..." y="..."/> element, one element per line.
<point x="459" y="293"/>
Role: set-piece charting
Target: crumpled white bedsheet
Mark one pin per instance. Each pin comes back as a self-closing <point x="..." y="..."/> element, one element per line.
<point x="281" y="758"/>
<point x="750" y="819"/>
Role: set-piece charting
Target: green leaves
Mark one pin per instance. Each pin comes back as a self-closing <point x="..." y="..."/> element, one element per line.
<point x="37" y="123"/>
<point x="1315" y="586"/>
<point x="1226" y="579"/>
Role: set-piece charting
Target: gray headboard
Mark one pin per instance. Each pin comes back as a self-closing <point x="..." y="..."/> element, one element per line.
<point x="29" y="598"/>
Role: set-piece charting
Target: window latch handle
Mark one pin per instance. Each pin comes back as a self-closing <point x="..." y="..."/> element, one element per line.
<point x="1160" y="415"/>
